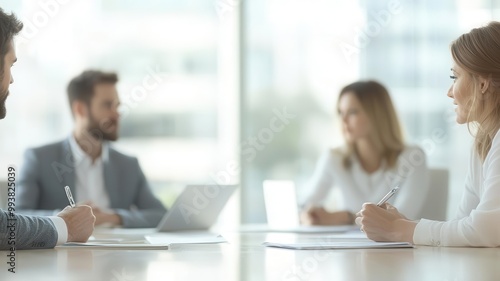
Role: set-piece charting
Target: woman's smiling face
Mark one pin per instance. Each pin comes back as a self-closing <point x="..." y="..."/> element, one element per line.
<point x="461" y="93"/>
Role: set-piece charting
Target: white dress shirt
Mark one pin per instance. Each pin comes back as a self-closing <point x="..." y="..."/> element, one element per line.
<point x="478" y="218"/>
<point x="89" y="177"/>
<point x="61" y="228"/>
<point x="357" y="186"/>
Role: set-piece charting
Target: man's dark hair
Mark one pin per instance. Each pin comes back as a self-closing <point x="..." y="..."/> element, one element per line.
<point x="9" y="27"/>
<point x="81" y="88"/>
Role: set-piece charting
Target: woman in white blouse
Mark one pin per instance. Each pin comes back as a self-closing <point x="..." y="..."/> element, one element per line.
<point x="373" y="161"/>
<point x="476" y="93"/>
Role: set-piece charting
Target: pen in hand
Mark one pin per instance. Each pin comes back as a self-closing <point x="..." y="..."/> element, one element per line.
<point x="70" y="197"/>
<point x="388" y="196"/>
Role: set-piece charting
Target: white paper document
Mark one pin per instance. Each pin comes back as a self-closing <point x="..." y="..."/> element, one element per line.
<point x="339" y="245"/>
<point x="150" y="241"/>
<point x="194" y="237"/>
<point x="125" y="245"/>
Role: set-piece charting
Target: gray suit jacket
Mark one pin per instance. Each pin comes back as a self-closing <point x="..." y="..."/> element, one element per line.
<point x="47" y="169"/>
<point x="26" y="232"/>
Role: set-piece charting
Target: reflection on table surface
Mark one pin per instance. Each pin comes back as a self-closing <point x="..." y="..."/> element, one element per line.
<point x="244" y="258"/>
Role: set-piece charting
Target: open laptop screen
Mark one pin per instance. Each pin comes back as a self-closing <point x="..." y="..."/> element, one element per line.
<point x="196" y="208"/>
<point x="281" y="203"/>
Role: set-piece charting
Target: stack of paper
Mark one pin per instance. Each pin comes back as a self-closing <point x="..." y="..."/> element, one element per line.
<point x="150" y="241"/>
<point x="136" y="245"/>
<point x="185" y="238"/>
<point x="339" y="245"/>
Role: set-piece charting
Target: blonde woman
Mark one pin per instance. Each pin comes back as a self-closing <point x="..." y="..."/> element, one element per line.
<point x="476" y="93"/>
<point x="373" y="161"/>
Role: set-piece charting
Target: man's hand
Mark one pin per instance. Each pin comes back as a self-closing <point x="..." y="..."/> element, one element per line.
<point x="79" y="221"/>
<point x="106" y="218"/>
<point x="102" y="217"/>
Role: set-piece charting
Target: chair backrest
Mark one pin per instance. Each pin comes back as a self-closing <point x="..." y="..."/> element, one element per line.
<point x="437" y="198"/>
<point x="3" y="194"/>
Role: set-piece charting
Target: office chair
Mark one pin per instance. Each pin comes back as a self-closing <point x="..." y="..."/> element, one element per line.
<point x="437" y="197"/>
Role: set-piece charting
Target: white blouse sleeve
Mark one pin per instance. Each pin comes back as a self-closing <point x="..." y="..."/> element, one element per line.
<point x="481" y="227"/>
<point x="470" y="198"/>
<point x="411" y="198"/>
<point x="321" y="181"/>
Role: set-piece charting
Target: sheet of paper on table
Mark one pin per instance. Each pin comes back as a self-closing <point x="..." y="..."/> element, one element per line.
<point x="338" y="245"/>
<point x="150" y="241"/>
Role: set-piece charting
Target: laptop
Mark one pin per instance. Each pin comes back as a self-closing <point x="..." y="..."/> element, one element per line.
<point x="280" y="199"/>
<point x="282" y="211"/>
<point x="196" y="208"/>
<point x="194" y="211"/>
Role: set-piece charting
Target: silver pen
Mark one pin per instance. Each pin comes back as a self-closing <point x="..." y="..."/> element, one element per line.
<point x="70" y="197"/>
<point x="388" y="196"/>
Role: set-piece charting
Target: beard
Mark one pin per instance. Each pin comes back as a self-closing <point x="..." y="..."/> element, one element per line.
<point x="104" y="130"/>
<point x="3" y="99"/>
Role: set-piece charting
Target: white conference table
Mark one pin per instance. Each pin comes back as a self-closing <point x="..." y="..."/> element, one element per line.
<point x="244" y="258"/>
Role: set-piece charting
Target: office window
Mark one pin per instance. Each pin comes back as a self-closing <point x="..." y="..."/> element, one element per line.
<point x="185" y="127"/>
<point x="173" y="61"/>
<point x="299" y="54"/>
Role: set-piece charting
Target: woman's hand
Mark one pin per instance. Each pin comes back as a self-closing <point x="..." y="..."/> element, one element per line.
<point x="385" y="223"/>
<point x="320" y="216"/>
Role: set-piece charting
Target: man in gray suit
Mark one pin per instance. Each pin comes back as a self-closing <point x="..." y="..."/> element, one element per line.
<point x="112" y="183"/>
<point x="27" y="232"/>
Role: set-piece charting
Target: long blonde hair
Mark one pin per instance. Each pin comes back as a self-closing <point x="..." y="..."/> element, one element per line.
<point x="387" y="136"/>
<point x="478" y="53"/>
